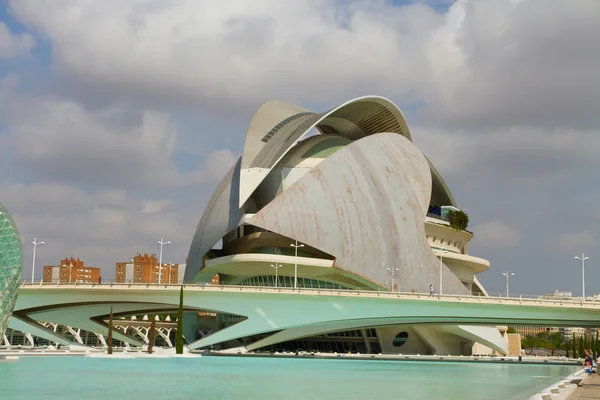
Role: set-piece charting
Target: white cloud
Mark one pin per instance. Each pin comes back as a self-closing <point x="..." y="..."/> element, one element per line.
<point x="505" y="108"/>
<point x="14" y="45"/>
<point x="522" y="155"/>
<point x="573" y="242"/>
<point x="60" y="139"/>
<point x="101" y="227"/>
<point x="480" y="63"/>
<point x="495" y="234"/>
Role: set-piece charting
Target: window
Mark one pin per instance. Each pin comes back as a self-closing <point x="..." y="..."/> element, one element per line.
<point x="400" y="339"/>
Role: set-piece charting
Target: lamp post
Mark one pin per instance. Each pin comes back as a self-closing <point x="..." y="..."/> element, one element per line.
<point x="442" y="267"/>
<point x="582" y="258"/>
<point x="276" y="266"/>
<point x="507" y="274"/>
<point x="393" y="271"/>
<point x="35" y="243"/>
<point x="162" y="242"/>
<point x="70" y="266"/>
<point x="296" y="246"/>
<point x="170" y="272"/>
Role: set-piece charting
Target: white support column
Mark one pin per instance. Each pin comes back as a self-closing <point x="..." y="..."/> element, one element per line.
<point x="101" y="339"/>
<point x="144" y="336"/>
<point x="164" y="336"/>
<point x="30" y="339"/>
<point x="76" y="334"/>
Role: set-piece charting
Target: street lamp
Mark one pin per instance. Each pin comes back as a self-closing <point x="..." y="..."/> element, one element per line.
<point x="170" y="272"/>
<point x="35" y="243"/>
<point x="507" y="274"/>
<point x="276" y="266"/>
<point x="442" y="266"/>
<point x="393" y="271"/>
<point x="582" y="258"/>
<point x="296" y="246"/>
<point x="70" y="266"/>
<point x="162" y="242"/>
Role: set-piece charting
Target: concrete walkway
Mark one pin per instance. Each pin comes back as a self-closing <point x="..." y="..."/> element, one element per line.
<point x="589" y="388"/>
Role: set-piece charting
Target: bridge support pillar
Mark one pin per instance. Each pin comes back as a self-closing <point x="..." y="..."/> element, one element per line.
<point x="190" y="326"/>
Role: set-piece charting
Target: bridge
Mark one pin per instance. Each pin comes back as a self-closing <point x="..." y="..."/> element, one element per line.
<point x="287" y="313"/>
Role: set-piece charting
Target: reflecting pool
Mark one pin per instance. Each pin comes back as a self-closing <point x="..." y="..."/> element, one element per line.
<point x="226" y="378"/>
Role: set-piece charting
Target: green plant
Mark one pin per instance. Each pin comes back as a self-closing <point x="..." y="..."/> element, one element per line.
<point x="179" y="337"/>
<point x="511" y="329"/>
<point x="458" y="219"/>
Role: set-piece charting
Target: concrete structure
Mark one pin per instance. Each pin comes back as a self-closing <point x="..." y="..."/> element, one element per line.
<point x="354" y="218"/>
<point x="144" y="268"/>
<point x="71" y="270"/>
<point x="267" y="316"/>
<point x="363" y="205"/>
<point x="11" y="265"/>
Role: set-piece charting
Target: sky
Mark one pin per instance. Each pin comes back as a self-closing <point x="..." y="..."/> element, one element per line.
<point x="119" y="118"/>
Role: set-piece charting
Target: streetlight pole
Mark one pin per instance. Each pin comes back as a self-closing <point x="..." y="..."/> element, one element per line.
<point x="276" y="266"/>
<point x="393" y="271"/>
<point x="35" y="243"/>
<point x="70" y="266"/>
<point x="170" y="271"/>
<point x="296" y="246"/>
<point x="162" y="242"/>
<point x="442" y="267"/>
<point x="507" y="274"/>
<point x="582" y="258"/>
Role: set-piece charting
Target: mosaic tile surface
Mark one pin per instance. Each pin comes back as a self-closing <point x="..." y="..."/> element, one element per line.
<point x="11" y="264"/>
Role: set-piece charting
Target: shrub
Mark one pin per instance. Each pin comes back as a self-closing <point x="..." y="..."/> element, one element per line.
<point x="458" y="219"/>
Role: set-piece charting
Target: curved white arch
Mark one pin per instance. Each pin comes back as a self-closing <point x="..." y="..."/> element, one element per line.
<point x="265" y="156"/>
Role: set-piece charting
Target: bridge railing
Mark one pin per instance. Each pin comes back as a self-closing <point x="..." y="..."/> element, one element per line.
<point x="514" y="298"/>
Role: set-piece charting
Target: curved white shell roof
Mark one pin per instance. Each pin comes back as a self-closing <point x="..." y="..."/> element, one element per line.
<point x="378" y="131"/>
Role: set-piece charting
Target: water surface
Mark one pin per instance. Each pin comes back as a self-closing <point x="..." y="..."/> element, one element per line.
<point x="226" y="378"/>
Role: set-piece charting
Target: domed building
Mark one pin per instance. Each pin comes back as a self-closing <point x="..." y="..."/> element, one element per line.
<point x="11" y="264"/>
<point x="340" y="200"/>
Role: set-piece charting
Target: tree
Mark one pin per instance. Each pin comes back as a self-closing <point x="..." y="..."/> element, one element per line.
<point x="511" y="329"/>
<point x="152" y="334"/>
<point x="458" y="219"/>
<point x="581" y="351"/>
<point x="179" y="337"/>
<point x="553" y="342"/>
<point x="110" y="332"/>
<point x="573" y="343"/>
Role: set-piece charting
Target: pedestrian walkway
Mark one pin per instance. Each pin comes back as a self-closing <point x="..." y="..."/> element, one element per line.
<point x="588" y="389"/>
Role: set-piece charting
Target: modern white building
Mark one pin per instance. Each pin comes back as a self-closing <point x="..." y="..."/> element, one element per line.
<point x="341" y="200"/>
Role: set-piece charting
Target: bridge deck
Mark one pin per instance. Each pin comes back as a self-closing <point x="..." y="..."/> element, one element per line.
<point x="325" y="292"/>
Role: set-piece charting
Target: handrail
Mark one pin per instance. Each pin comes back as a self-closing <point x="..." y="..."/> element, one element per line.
<point x="521" y="299"/>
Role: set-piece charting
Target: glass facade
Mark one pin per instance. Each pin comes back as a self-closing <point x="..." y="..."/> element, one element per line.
<point x="11" y="264"/>
<point x="287" y="281"/>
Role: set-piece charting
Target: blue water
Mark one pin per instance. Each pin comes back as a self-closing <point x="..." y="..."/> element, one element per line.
<point x="225" y="378"/>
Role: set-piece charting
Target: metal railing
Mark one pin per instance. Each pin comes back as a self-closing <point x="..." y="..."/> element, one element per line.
<point x="521" y="299"/>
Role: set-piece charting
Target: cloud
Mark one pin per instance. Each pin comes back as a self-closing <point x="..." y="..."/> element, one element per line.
<point x="573" y="242"/>
<point x="100" y="227"/>
<point x="61" y="140"/>
<point x="505" y="108"/>
<point x="479" y="64"/>
<point x="515" y="155"/>
<point x="495" y="234"/>
<point x="14" y="45"/>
